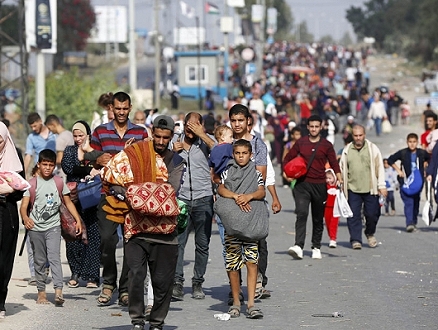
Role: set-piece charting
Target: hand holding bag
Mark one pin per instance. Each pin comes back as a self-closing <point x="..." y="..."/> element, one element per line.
<point x="341" y="207"/>
<point x="89" y="192"/>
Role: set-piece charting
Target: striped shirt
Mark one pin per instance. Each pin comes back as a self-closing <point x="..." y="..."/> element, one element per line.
<point x="105" y="137"/>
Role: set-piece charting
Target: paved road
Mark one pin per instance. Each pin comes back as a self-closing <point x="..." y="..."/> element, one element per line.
<point x="393" y="286"/>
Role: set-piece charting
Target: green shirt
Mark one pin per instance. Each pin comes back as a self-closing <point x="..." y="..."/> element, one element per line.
<point x="359" y="169"/>
<point x="45" y="211"/>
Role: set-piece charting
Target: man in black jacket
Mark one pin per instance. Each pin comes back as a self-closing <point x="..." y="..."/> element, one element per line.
<point x="412" y="160"/>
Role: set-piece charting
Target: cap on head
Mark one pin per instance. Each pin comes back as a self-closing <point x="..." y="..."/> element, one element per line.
<point x="164" y="122"/>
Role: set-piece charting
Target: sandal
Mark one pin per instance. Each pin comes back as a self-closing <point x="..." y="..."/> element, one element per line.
<point x="74" y="281"/>
<point x="147" y="312"/>
<point x="123" y="299"/>
<point x="265" y="294"/>
<point x="254" y="313"/>
<point x="105" y="295"/>
<point x="59" y="301"/>
<point x="92" y="285"/>
<point x="234" y="311"/>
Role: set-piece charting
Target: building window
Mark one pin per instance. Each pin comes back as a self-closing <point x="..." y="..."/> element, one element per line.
<point x="192" y="74"/>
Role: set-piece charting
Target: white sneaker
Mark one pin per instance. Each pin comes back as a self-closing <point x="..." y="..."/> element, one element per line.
<point x="295" y="252"/>
<point x="332" y="244"/>
<point x="316" y="253"/>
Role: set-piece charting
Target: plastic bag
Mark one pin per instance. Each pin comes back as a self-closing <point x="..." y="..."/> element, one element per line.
<point x="341" y="207"/>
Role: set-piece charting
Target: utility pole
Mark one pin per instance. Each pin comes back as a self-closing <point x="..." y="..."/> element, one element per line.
<point x="198" y="56"/>
<point x="261" y="41"/>
<point x="132" y="52"/>
<point x="157" y="57"/>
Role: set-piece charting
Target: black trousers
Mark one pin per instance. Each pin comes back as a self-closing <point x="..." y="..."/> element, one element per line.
<point x="161" y="260"/>
<point x="314" y="194"/>
<point x="108" y="244"/>
<point x="8" y="245"/>
<point x="263" y="260"/>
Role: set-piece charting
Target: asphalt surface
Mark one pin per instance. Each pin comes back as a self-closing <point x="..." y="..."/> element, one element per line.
<point x="393" y="286"/>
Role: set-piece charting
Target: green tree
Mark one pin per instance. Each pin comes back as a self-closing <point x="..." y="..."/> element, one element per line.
<point x="404" y="26"/>
<point x="72" y="96"/>
<point x="76" y="18"/>
<point x="327" y="39"/>
<point x="346" y="39"/>
<point x="303" y="33"/>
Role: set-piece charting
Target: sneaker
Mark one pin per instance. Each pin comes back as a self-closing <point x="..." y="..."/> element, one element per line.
<point x="295" y="252"/>
<point x="356" y="245"/>
<point x="138" y="327"/>
<point x="2" y="315"/>
<point x="410" y="228"/>
<point x="178" y="291"/>
<point x="197" y="292"/>
<point x="372" y="242"/>
<point x="332" y="244"/>
<point x="316" y="253"/>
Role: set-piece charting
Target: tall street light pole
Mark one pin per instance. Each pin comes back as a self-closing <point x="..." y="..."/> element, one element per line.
<point x="132" y="51"/>
<point x="157" y="57"/>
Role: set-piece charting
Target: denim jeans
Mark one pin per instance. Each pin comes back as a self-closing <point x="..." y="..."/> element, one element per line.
<point x="378" y="124"/>
<point x="200" y="218"/>
<point x="411" y="207"/>
<point x="371" y="211"/>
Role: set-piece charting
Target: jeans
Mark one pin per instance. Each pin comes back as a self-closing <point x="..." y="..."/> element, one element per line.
<point x="411" y="207"/>
<point x="371" y="211"/>
<point x="200" y="218"/>
<point x="390" y="201"/>
<point x="315" y="194"/>
<point x="378" y="125"/>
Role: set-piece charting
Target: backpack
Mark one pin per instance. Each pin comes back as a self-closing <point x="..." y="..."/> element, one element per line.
<point x="68" y="223"/>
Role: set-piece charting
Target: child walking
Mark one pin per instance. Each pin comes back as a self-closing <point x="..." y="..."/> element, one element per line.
<point x="43" y="223"/>
<point x="238" y="251"/>
<point x="412" y="160"/>
<point x="331" y="222"/>
<point x="391" y="184"/>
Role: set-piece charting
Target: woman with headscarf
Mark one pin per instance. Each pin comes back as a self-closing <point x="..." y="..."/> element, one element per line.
<point x="83" y="259"/>
<point x="10" y="160"/>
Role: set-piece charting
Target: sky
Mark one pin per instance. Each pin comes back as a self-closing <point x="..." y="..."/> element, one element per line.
<point x="322" y="16"/>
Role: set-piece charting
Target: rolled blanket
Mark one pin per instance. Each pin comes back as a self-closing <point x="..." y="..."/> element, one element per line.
<point x="247" y="226"/>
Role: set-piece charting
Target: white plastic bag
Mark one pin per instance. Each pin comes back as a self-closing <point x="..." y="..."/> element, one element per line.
<point x="427" y="214"/>
<point x="386" y="126"/>
<point x="341" y="207"/>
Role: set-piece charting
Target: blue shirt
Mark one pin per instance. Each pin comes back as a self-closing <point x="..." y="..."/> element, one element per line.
<point x="35" y="143"/>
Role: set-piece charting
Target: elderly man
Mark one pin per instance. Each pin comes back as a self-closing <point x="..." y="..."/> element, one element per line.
<point x="364" y="180"/>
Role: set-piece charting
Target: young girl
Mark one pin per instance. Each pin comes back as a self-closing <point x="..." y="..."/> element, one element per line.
<point x="330" y="221"/>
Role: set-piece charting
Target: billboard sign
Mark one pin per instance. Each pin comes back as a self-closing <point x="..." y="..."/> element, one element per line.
<point x="111" y="25"/>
